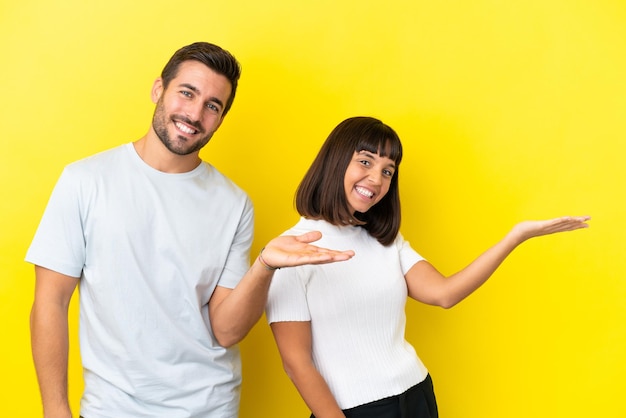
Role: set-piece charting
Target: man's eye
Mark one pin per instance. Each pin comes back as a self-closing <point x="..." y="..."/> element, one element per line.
<point x="212" y="107"/>
<point x="186" y="93"/>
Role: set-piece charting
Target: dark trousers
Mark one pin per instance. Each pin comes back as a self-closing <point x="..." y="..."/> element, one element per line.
<point x="417" y="402"/>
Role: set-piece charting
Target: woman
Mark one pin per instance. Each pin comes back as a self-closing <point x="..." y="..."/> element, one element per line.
<point x="340" y="327"/>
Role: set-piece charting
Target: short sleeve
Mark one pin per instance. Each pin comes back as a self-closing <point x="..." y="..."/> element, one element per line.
<point x="287" y="299"/>
<point x="238" y="261"/>
<point x="408" y="256"/>
<point x="59" y="242"/>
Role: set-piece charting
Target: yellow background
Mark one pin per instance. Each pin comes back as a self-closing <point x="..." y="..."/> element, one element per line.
<point x="508" y="111"/>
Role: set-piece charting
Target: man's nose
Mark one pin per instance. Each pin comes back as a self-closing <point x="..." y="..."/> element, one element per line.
<point x="194" y="111"/>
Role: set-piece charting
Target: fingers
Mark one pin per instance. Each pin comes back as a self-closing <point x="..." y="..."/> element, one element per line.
<point x="528" y="229"/>
<point x="570" y="223"/>
<point x="562" y="224"/>
<point x="334" y="255"/>
<point x="322" y="257"/>
<point x="309" y="237"/>
<point x="295" y="250"/>
<point x="312" y="255"/>
<point x="573" y="219"/>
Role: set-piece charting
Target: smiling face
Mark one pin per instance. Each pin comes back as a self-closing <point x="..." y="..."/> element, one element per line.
<point x="367" y="180"/>
<point x="190" y="109"/>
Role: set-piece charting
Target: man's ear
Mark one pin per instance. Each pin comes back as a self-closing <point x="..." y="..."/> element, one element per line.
<point x="220" y="123"/>
<point x="157" y="90"/>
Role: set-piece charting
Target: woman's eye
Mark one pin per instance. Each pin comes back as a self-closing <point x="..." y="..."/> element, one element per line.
<point x="388" y="173"/>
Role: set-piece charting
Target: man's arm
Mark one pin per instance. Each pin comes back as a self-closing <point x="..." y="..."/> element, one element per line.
<point x="234" y="312"/>
<point x="49" y="338"/>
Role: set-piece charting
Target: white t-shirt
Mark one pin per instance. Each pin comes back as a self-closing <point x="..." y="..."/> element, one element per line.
<point x="149" y="248"/>
<point x="356" y="309"/>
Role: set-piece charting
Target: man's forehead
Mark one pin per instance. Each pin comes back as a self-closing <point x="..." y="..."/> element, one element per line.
<point x="196" y="76"/>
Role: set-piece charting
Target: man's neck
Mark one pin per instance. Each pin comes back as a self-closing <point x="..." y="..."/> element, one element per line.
<point x="156" y="155"/>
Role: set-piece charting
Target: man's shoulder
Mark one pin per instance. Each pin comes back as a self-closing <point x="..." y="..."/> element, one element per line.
<point x="102" y="160"/>
<point x="216" y="177"/>
<point x="104" y="155"/>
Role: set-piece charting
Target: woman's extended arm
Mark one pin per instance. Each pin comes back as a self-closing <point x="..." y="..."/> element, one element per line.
<point x="294" y="344"/>
<point x="427" y="285"/>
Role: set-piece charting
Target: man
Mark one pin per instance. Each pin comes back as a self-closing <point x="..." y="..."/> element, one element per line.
<point x="158" y="242"/>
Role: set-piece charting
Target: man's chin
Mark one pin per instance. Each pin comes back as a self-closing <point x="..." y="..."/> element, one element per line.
<point x="184" y="146"/>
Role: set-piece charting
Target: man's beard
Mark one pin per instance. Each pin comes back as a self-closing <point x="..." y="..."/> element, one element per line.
<point x="180" y="147"/>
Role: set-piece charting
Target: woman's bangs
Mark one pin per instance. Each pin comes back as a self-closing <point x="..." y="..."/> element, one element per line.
<point x="384" y="144"/>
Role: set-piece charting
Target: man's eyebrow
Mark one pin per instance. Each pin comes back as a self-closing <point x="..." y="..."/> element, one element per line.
<point x="197" y="91"/>
<point x="216" y="100"/>
<point x="190" y="87"/>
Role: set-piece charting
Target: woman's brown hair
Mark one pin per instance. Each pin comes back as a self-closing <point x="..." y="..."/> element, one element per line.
<point x="321" y="193"/>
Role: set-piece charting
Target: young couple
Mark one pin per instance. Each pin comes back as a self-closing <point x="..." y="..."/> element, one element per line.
<point x="158" y="242"/>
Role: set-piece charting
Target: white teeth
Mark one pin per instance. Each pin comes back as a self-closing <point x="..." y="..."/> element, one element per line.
<point x="185" y="128"/>
<point x="364" y="192"/>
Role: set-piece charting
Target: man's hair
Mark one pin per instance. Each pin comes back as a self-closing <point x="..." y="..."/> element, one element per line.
<point x="214" y="57"/>
<point x="321" y="194"/>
